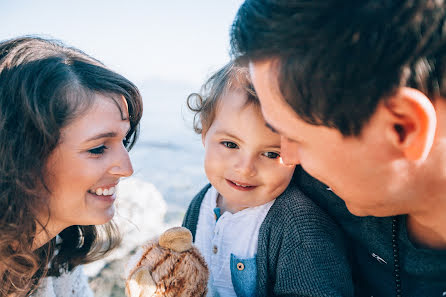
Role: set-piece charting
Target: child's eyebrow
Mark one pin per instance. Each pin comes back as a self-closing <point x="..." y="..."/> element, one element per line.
<point x="227" y="134"/>
<point x="274" y="146"/>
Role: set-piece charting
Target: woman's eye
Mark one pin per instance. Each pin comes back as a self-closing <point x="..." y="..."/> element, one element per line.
<point x="98" y="150"/>
<point x="271" y="155"/>
<point x="229" y="144"/>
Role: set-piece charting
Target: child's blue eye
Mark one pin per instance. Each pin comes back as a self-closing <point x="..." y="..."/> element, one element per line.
<point x="229" y="144"/>
<point x="98" y="150"/>
<point x="271" y="155"/>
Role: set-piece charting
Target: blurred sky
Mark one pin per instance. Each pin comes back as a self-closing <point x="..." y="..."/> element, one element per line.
<point x="172" y="40"/>
<point x="166" y="47"/>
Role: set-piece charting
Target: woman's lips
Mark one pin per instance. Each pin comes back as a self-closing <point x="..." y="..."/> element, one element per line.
<point x="240" y="186"/>
<point x="109" y="199"/>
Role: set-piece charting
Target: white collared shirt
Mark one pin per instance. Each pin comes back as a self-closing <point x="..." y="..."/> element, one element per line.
<point x="231" y="234"/>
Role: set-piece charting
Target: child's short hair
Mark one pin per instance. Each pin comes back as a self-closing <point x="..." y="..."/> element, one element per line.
<point x="204" y="104"/>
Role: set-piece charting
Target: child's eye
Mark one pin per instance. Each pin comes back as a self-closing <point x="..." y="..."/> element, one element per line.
<point x="271" y="155"/>
<point x="229" y="144"/>
<point x="98" y="150"/>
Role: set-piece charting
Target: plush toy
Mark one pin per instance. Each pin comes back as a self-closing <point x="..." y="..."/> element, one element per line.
<point x="167" y="267"/>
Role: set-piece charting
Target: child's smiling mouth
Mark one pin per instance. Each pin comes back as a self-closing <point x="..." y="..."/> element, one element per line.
<point x="240" y="186"/>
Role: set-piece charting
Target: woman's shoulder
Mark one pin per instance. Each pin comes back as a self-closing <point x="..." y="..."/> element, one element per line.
<point x="68" y="284"/>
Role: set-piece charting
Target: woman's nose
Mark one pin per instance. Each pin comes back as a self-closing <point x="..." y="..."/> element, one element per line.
<point x="289" y="151"/>
<point x="122" y="166"/>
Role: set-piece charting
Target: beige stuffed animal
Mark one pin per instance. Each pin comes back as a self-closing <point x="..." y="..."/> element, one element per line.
<point x="167" y="267"/>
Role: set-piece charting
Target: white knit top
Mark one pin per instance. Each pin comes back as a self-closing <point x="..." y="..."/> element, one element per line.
<point x="72" y="284"/>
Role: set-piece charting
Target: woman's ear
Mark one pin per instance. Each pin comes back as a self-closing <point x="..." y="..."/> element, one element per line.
<point x="413" y="122"/>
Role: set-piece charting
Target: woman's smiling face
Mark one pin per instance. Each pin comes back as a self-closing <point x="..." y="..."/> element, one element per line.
<point x="85" y="167"/>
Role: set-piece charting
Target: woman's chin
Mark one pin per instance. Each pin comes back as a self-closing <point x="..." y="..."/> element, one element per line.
<point x="102" y="216"/>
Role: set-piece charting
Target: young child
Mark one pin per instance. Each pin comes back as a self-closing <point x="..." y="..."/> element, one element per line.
<point x="258" y="235"/>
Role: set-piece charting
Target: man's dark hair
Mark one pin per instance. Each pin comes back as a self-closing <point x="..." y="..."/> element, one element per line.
<point x="337" y="60"/>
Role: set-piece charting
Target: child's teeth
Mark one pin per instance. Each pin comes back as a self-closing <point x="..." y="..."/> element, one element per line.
<point x="105" y="192"/>
<point x="99" y="191"/>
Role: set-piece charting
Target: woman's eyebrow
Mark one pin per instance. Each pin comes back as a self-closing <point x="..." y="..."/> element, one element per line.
<point x="110" y="134"/>
<point x="102" y="135"/>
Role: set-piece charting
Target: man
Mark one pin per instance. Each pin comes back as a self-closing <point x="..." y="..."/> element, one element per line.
<point x="357" y="91"/>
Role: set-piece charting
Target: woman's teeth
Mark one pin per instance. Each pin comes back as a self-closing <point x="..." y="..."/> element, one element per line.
<point x="103" y="192"/>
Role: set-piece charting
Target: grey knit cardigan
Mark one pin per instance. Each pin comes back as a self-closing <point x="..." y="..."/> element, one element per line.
<point x="300" y="250"/>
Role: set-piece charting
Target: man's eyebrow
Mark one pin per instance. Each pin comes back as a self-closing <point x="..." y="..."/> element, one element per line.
<point x="103" y="135"/>
<point x="271" y="128"/>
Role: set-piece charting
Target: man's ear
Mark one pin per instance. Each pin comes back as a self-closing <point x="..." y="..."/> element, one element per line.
<point x="413" y="123"/>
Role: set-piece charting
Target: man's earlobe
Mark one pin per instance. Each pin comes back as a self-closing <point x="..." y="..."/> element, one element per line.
<point x="414" y="122"/>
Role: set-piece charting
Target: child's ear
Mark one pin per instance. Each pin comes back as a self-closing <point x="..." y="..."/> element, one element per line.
<point x="413" y="123"/>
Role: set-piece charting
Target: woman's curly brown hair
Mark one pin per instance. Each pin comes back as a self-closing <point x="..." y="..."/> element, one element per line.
<point x="44" y="85"/>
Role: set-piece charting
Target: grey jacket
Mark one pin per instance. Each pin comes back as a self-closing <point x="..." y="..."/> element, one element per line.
<point x="422" y="271"/>
<point x="300" y="252"/>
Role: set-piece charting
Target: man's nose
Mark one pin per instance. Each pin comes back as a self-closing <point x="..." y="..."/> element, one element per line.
<point x="289" y="151"/>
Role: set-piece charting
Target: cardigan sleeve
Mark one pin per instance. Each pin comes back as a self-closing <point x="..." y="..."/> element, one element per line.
<point x="190" y="219"/>
<point x="301" y="251"/>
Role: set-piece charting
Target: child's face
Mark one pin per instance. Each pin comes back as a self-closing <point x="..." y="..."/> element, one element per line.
<point x="242" y="156"/>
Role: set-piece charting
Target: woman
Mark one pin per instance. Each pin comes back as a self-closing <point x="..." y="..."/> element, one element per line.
<point x="66" y="125"/>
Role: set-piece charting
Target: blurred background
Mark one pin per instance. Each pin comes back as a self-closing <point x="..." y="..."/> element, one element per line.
<point x="168" y="49"/>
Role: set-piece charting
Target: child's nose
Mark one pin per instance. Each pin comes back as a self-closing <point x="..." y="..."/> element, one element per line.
<point x="246" y="166"/>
